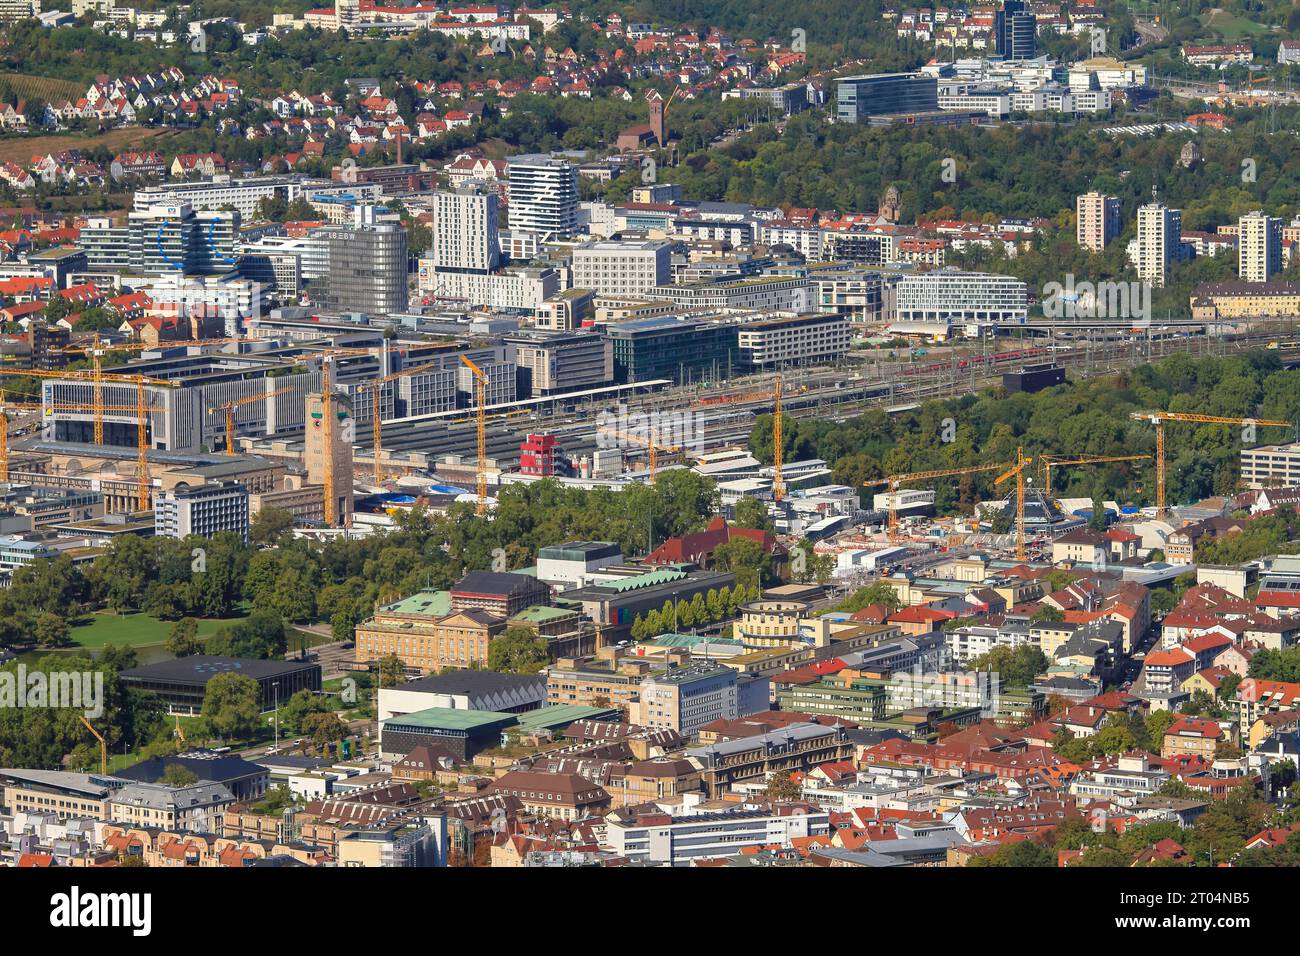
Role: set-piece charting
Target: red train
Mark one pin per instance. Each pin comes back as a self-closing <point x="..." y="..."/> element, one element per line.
<point x="994" y="359"/>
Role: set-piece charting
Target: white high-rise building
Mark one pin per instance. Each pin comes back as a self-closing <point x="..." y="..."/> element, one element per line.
<point x="1259" y="247"/>
<point x="610" y="267"/>
<point x="1159" y="241"/>
<point x="203" y="511"/>
<point x="543" y="196"/>
<point x="465" y="230"/>
<point x="952" y="296"/>
<point x="1098" y="220"/>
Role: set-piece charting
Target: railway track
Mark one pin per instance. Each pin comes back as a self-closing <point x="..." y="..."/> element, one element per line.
<point x="834" y="394"/>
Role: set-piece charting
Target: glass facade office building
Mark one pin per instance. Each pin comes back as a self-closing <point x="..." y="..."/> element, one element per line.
<point x="669" y="348"/>
<point x="859" y="97"/>
<point x="367" y="269"/>
<point x="1014" y="31"/>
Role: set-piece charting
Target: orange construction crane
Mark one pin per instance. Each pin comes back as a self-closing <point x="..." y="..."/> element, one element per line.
<point x="140" y="412"/>
<point x="1159" y="418"/>
<point x="894" y="481"/>
<point x="1018" y="472"/>
<point x="229" y="409"/>
<point x="103" y="747"/>
<point x="376" y="386"/>
<point x="654" y="447"/>
<point x="778" y="452"/>
<point x="481" y="380"/>
<point x="1048" y="462"/>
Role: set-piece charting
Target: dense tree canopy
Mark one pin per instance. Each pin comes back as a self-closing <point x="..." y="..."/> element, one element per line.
<point x="1085" y="417"/>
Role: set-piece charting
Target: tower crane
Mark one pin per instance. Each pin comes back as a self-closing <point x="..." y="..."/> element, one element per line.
<point x="1017" y="471"/>
<point x="96" y="351"/>
<point x="1052" y="461"/>
<point x="376" y="412"/>
<point x="141" y="410"/>
<point x="894" y="481"/>
<point x="653" y="446"/>
<point x="103" y="747"/>
<point x="778" y="452"/>
<point x="481" y="380"/>
<point x="229" y="409"/>
<point x="1158" y="418"/>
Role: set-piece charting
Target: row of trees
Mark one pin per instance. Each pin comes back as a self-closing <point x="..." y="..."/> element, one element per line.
<point x="700" y="611"/>
<point x="232" y="710"/>
<point x="340" y="582"/>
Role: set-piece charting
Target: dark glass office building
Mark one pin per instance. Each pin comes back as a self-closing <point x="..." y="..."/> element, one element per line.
<point x="665" y="347"/>
<point x="1014" y="31"/>
<point x="858" y="98"/>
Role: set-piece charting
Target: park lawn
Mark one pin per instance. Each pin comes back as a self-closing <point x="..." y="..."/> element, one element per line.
<point x="134" y="629"/>
<point x="1231" y="28"/>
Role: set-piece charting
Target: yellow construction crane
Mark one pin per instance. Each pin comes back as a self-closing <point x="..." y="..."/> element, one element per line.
<point x="654" y="447"/>
<point x="1018" y="472"/>
<point x="376" y="411"/>
<point x="96" y="352"/>
<point x="141" y="410"/>
<point x="103" y="747"/>
<point x="481" y="380"/>
<point x="229" y="409"/>
<point x="60" y="406"/>
<point x="778" y="452"/>
<point x="1048" y="462"/>
<point x="143" y="479"/>
<point x="1159" y="418"/>
<point x="327" y="424"/>
<point x="894" y="481"/>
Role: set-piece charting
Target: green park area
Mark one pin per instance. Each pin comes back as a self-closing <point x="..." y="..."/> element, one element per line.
<point x="134" y="629"/>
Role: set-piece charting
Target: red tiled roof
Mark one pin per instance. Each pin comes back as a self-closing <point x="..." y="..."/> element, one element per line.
<point x="1171" y="658"/>
<point x="920" y="614"/>
<point x="693" y="548"/>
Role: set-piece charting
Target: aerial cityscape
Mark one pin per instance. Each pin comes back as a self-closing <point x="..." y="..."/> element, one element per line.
<point x="624" y="435"/>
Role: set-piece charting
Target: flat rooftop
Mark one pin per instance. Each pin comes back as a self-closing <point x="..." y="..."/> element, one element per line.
<point x="556" y="716"/>
<point x="450" y="718"/>
<point x="472" y="682"/>
<point x="201" y="668"/>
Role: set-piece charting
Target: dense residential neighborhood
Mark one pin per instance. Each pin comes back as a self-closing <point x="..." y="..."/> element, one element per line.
<point x="591" y="435"/>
